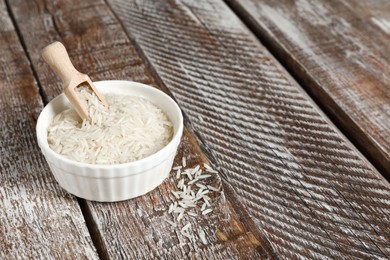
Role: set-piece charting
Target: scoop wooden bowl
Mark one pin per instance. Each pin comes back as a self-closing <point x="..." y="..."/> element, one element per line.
<point x="57" y="57"/>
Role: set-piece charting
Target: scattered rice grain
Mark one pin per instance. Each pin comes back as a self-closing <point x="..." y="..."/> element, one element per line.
<point x="170" y="208"/>
<point x="203" y="207"/>
<point x="180" y="184"/>
<point x="189" y="176"/>
<point x="193" y="181"/>
<point x="204" y="176"/>
<point x="183" y="205"/>
<point x="202" y="237"/>
<point x="194" y="170"/>
<point x="178" y="174"/>
<point x="192" y="214"/>
<point x="178" y="210"/>
<point x="176" y="194"/>
<point x="186" y="227"/>
<point x="184" y="162"/>
<point x="201" y="186"/>
<point x="180" y="216"/>
<point x="207" y="211"/>
<point x="212" y="171"/>
<point x="187" y="235"/>
<point x="188" y="196"/>
<point x="212" y="188"/>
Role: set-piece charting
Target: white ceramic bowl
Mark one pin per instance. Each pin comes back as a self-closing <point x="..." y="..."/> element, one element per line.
<point x="113" y="182"/>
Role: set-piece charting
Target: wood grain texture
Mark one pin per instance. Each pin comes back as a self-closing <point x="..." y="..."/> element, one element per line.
<point x="38" y="220"/>
<point x="340" y="52"/>
<point x="137" y="229"/>
<point x="311" y="192"/>
<point x="134" y="229"/>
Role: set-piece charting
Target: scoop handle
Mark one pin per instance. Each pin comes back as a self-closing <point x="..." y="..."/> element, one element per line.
<point x="57" y="57"/>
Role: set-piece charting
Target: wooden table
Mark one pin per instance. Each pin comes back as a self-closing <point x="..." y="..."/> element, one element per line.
<point x="288" y="100"/>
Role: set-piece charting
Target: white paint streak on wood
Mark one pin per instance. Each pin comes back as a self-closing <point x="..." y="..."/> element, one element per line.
<point x="224" y="19"/>
<point x="315" y="13"/>
<point x="293" y="32"/>
<point x="138" y="236"/>
<point x="382" y="23"/>
<point x="138" y="228"/>
<point x="320" y="16"/>
<point x="39" y="220"/>
<point x="357" y="83"/>
<point x="302" y="182"/>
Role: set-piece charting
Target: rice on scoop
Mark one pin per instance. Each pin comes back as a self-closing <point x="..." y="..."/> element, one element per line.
<point x="131" y="128"/>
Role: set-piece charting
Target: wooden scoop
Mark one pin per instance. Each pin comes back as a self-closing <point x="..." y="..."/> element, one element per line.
<point x="57" y="57"/>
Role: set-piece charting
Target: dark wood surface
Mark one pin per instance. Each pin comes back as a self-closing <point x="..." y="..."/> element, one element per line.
<point x="38" y="219"/>
<point x="134" y="229"/>
<point x="294" y="186"/>
<point x="340" y="52"/>
<point x="309" y="190"/>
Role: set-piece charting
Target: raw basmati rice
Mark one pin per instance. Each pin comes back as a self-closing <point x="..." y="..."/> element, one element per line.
<point x="178" y="174"/>
<point x="187" y="196"/>
<point x="207" y="211"/>
<point x="192" y="214"/>
<point x="202" y="236"/>
<point x="131" y="128"/>
<point x="186" y="227"/>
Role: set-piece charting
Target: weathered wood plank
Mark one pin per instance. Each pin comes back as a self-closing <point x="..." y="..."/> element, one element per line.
<point x="38" y="219"/>
<point x="137" y="229"/>
<point x="311" y="192"/>
<point x="134" y="229"/>
<point x="340" y="52"/>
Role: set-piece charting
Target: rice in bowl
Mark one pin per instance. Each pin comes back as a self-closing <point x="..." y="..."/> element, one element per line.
<point x="130" y="129"/>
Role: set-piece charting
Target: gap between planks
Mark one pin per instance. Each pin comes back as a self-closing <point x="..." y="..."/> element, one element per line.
<point x="230" y="192"/>
<point x="95" y="236"/>
<point x="42" y="99"/>
<point x="205" y="152"/>
<point x="97" y="240"/>
<point x="93" y="228"/>
<point x="314" y="208"/>
<point x="355" y="134"/>
<point x="199" y="140"/>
